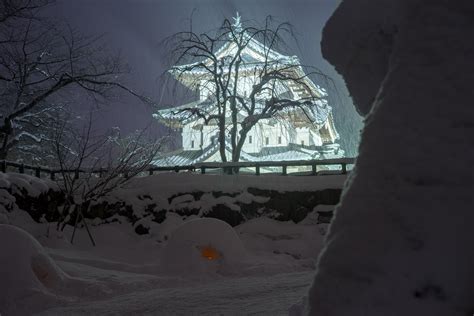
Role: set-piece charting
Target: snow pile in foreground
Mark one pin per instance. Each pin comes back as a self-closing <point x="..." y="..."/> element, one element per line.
<point x="203" y="246"/>
<point x="28" y="275"/>
<point x="401" y="242"/>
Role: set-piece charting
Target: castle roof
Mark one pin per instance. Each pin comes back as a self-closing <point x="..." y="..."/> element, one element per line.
<point x="253" y="53"/>
<point x="287" y="153"/>
<point x="181" y="115"/>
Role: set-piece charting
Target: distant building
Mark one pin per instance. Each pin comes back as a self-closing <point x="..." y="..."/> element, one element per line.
<point x="292" y="136"/>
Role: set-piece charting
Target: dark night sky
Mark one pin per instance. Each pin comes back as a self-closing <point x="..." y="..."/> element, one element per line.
<point x="136" y="28"/>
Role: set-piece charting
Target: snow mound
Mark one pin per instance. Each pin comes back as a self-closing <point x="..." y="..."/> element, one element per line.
<point x="401" y="239"/>
<point x="201" y="246"/>
<point x="26" y="269"/>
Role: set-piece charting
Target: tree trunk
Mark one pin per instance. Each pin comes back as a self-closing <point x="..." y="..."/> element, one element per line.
<point x="222" y="140"/>
<point x="238" y="148"/>
<point x="6" y="131"/>
<point x="3" y="154"/>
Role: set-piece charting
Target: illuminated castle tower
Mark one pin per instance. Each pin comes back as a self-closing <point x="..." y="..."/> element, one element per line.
<point x="294" y="135"/>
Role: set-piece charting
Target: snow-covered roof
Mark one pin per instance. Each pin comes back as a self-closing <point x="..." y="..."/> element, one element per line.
<point x="186" y="157"/>
<point x="318" y="113"/>
<point x="286" y="153"/>
<point x="180" y="116"/>
<point x="253" y="54"/>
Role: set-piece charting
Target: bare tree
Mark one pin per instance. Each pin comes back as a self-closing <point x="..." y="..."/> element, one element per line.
<point x="43" y="60"/>
<point x="91" y="166"/>
<point x="36" y="131"/>
<point x="20" y="9"/>
<point x="218" y="66"/>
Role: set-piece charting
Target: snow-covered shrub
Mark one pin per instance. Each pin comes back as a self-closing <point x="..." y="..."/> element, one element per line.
<point x="41" y="198"/>
<point x="203" y="246"/>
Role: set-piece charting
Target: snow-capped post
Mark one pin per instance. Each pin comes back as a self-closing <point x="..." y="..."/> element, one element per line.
<point x="344" y="168"/>
<point x="244" y="82"/>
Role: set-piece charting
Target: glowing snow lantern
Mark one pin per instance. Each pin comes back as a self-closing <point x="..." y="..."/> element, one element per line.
<point x="202" y="245"/>
<point x="209" y="253"/>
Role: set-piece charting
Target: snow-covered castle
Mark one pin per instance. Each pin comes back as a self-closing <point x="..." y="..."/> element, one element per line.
<point x="291" y="136"/>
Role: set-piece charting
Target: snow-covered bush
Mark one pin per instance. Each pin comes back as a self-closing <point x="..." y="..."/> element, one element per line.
<point x="39" y="197"/>
<point x="201" y="246"/>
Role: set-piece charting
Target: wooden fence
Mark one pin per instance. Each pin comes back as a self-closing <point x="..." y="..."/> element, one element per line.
<point x="225" y="167"/>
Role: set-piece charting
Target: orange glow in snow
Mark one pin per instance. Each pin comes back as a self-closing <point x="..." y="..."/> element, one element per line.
<point x="210" y="253"/>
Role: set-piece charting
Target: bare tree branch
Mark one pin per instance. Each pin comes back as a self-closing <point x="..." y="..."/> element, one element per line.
<point x="217" y="63"/>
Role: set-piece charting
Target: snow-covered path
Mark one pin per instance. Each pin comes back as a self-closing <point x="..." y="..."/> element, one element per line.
<point x="268" y="295"/>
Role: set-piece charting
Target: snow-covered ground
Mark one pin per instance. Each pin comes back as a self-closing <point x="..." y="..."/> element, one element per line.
<point x="185" y="265"/>
<point x="126" y="274"/>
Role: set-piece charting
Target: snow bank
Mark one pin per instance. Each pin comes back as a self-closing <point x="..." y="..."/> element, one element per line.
<point x="26" y="271"/>
<point x="298" y="241"/>
<point x="167" y="184"/>
<point x="145" y="201"/>
<point x="401" y="240"/>
<point x="22" y="192"/>
<point x="203" y="246"/>
<point x="23" y="183"/>
<point x="232" y="198"/>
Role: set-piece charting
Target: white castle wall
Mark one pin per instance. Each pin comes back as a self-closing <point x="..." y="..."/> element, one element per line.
<point x="196" y="136"/>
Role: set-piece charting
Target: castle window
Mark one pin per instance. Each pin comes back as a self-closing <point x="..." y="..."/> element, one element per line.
<point x="267" y="140"/>
<point x="302" y="143"/>
<point x="192" y="144"/>
<point x="250" y="139"/>
<point x="279" y="139"/>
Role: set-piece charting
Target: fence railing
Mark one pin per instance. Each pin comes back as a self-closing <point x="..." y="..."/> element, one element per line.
<point x="225" y="167"/>
<point x="228" y="167"/>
